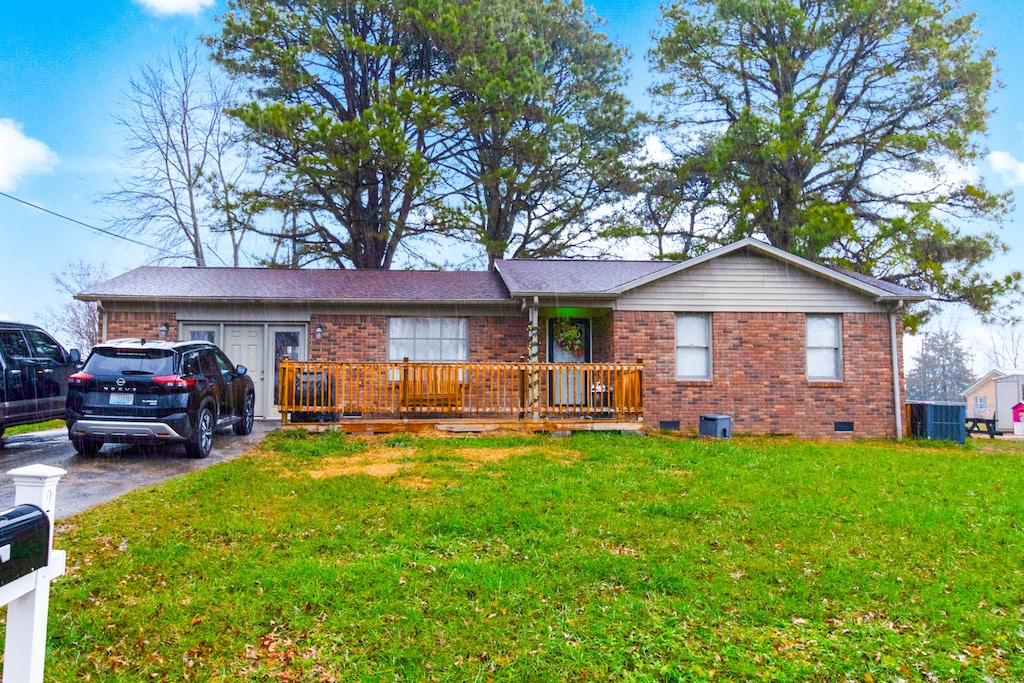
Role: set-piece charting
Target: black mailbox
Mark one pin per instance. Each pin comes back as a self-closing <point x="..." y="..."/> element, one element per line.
<point x="24" y="542"/>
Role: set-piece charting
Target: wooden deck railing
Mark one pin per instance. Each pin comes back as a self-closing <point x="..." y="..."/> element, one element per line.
<point x="328" y="391"/>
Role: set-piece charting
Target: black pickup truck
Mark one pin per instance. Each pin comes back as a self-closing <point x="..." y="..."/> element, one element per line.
<point x="34" y="371"/>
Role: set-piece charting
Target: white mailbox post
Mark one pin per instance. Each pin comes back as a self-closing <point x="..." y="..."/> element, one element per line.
<point x="28" y="597"/>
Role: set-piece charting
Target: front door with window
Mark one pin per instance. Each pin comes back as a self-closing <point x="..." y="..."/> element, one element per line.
<point x="288" y="345"/>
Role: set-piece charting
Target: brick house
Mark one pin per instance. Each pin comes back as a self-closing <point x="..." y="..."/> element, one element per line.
<point x="781" y="344"/>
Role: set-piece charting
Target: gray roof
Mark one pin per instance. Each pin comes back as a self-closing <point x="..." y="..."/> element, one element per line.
<point x="883" y="291"/>
<point x="249" y="284"/>
<point x="891" y="288"/>
<point x="512" y="278"/>
<point x="610" y="278"/>
<point x="547" y="277"/>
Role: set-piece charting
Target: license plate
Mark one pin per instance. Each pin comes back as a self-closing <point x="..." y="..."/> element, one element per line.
<point x="122" y="399"/>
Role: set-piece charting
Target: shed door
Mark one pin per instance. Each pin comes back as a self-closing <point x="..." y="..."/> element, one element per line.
<point x="1008" y="394"/>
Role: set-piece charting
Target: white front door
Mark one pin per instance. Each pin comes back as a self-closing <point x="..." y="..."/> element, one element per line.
<point x="244" y="346"/>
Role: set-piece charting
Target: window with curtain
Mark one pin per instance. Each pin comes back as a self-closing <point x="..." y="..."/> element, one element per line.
<point x="693" y="346"/>
<point x="428" y="339"/>
<point x="824" y="348"/>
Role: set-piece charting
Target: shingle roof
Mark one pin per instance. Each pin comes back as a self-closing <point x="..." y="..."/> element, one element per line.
<point x="529" y="277"/>
<point x="300" y="285"/>
<point x="868" y="285"/>
<point x="994" y="373"/>
<point x="894" y="289"/>
<point x="594" y="278"/>
<point x="513" y="278"/>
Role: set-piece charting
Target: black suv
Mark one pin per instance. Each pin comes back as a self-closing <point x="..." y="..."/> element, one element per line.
<point x="138" y="391"/>
<point x="34" y="372"/>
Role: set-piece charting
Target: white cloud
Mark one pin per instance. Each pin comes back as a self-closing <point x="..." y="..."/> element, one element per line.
<point x="1009" y="168"/>
<point x="168" y="7"/>
<point x="21" y="155"/>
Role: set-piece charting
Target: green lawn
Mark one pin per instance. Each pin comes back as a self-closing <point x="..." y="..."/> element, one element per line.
<point x="596" y="557"/>
<point x="37" y="427"/>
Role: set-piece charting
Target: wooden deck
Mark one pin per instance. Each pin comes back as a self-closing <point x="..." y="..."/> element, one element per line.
<point x="412" y="396"/>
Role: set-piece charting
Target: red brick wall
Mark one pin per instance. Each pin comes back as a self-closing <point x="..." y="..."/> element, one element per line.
<point x="498" y="339"/>
<point x="363" y="338"/>
<point x="758" y="358"/>
<point x="144" y="325"/>
<point x="349" y="338"/>
<point x="353" y="338"/>
<point x="759" y="375"/>
<point x="601" y="339"/>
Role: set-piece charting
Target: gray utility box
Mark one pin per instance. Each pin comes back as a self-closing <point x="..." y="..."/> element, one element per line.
<point x="24" y="542"/>
<point x="716" y="426"/>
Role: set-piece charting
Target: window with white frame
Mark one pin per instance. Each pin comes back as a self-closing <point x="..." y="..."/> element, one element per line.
<point x="980" y="404"/>
<point x="693" y="346"/>
<point x="824" y="348"/>
<point x="428" y="339"/>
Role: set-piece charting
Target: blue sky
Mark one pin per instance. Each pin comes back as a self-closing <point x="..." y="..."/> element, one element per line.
<point x="64" y="71"/>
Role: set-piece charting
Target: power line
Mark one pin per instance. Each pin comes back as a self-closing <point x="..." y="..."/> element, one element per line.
<point x="84" y="225"/>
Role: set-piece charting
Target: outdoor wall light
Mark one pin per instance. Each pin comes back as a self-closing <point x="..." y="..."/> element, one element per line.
<point x="163" y="330"/>
<point x="319" y="331"/>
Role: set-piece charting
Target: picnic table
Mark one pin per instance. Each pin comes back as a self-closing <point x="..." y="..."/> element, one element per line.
<point x="981" y="425"/>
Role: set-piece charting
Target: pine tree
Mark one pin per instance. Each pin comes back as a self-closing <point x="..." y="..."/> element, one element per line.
<point x="942" y="370"/>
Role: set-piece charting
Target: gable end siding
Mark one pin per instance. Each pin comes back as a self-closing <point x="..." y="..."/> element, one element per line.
<point x="748" y="283"/>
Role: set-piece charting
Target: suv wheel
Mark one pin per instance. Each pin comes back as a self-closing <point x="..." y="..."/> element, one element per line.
<point x="244" y="425"/>
<point x="87" y="448"/>
<point x="199" y="445"/>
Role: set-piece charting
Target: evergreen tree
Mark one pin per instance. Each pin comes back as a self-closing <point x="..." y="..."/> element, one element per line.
<point x="942" y="370"/>
<point x="837" y="127"/>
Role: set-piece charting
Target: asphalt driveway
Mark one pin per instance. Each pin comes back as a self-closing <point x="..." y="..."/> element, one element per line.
<point x="116" y="470"/>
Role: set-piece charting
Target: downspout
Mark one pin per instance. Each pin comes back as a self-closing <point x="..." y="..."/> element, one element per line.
<point x="897" y="399"/>
<point x="103" y="332"/>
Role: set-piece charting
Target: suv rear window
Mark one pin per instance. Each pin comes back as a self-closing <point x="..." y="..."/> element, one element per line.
<point x="130" y="362"/>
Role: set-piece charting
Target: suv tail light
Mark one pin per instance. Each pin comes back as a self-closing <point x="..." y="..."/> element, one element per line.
<point x="176" y="381"/>
<point x="79" y="379"/>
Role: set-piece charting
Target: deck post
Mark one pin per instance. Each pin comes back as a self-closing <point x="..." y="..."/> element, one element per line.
<point x="523" y="393"/>
<point x="534" y="329"/>
<point x="640" y="362"/>
<point x="403" y="391"/>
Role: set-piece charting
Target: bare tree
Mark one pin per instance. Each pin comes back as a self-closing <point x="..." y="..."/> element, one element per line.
<point x="189" y="160"/>
<point x="77" y="322"/>
<point x="1006" y="348"/>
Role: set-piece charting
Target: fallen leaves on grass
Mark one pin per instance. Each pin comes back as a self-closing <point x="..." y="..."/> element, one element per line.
<point x="277" y="657"/>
